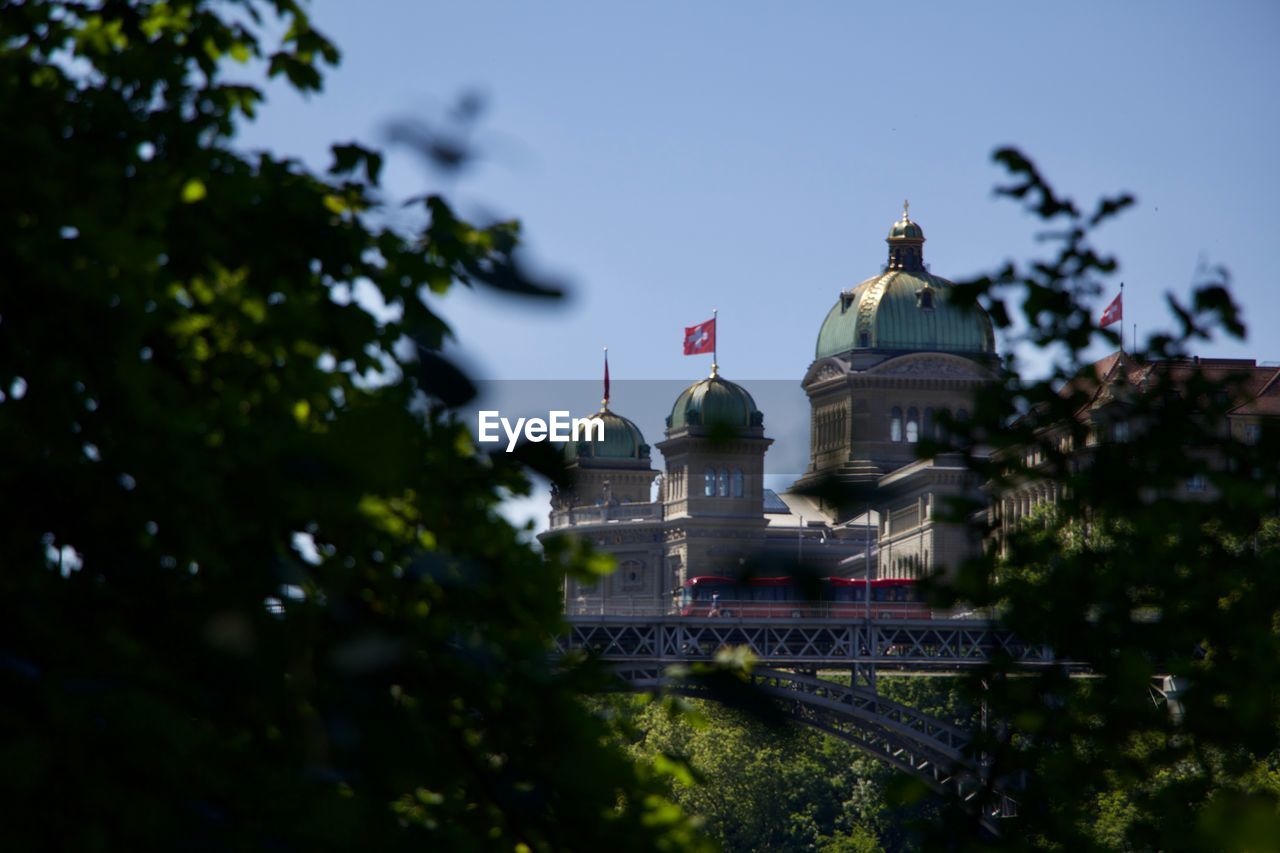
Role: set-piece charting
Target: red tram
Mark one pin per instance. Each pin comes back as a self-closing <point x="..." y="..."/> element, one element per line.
<point x="891" y="598"/>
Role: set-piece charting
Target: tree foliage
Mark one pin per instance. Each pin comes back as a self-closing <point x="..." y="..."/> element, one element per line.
<point x="762" y="787"/>
<point x="257" y="592"/>
<point x="1131" y="575"/>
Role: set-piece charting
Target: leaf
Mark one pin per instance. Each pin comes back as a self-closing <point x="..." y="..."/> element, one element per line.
<point x="193" y="191"/>
<point x="439" y="378"/>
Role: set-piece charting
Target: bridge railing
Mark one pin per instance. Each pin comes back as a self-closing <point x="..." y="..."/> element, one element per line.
<point x="606" y="513"/>
<point x="734" y="609"/>
<point x="755" y="609"/>
<point x="620" y="607"/>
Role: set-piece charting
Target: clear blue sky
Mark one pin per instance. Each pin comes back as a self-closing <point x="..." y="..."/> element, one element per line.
<point x="668" y="158"/>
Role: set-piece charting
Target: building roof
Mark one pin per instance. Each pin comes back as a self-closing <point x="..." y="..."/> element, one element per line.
<point x="792" y="509"/>
<point x="901" y="310"/>
<point x="1257" y="393"/>
<point x="1267" y="401"/>
<point x="773" y="503"/>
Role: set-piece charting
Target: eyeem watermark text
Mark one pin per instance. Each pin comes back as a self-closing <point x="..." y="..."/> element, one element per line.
<point x="557" y="427"/>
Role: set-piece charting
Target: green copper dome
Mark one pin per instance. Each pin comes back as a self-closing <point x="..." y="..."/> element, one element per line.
<point x="715" y="402"/>
<point x="904" y="308"/>
<point x="901" y="310"/>
<point x="622" y="440"/>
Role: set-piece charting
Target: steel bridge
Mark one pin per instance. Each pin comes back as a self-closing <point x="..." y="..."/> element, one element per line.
<point x="860" y="645"/>
<point x="650" y="653"/>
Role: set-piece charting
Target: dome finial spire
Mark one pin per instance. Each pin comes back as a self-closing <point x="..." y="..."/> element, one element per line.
<point x="906" y="243"/>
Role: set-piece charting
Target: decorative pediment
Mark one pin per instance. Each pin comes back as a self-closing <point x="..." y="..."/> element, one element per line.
<point x="931" y="366"/>
<point x="826" y="369"/>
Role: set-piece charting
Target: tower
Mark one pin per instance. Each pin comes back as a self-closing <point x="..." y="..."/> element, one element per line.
<point x="713" y="488"/>
<point x="896" y="357"/>
<point x="609" y="505"/>
<point x="892" y="354"/>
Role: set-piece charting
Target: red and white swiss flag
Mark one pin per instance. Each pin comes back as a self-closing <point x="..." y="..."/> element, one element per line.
<point x="1114" y="312"/>
<point x="700" y="338"/>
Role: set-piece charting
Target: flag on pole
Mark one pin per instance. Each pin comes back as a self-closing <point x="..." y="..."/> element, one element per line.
<point x="1114" y="312"/>
<point x="606" y="377"/>
<point x="701" y="338"/>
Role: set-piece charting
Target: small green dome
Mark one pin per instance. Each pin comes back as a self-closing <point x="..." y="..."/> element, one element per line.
<point x="905" y="228"/>
<point x="622" y="440"/>
<point x="715" y="401"/>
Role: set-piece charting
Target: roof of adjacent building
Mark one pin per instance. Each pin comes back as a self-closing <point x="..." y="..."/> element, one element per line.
<point x="1257" y="391"/>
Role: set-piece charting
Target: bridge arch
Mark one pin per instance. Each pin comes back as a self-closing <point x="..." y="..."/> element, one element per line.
<point x="928" y="749"/>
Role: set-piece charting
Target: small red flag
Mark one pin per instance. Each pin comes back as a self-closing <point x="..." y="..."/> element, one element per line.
<point x="1114" y="312"/>
<point x="700" y="338"/>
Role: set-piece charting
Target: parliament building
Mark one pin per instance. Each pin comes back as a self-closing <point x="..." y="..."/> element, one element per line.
<point x="896" y="360"/>
<point x="893" y="355"/>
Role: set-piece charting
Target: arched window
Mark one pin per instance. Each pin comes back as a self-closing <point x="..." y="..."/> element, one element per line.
<point x="943" y="436"/>
<point x="895" y="424"/>
<point x="737" y="482"/>
<point x="928" y="424"/>
<point x="709" y="487"/>
<point x="913" y="425"/>
<point x="724" y="482"/>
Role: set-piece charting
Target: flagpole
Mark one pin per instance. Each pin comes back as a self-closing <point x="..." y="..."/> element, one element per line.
<point x="715" y="342"/>
<point x="1122" y="315"/>
<point x="604" y="403"/>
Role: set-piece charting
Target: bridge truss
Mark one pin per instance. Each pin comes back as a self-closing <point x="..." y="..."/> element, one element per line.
<point x="862" y="646"/>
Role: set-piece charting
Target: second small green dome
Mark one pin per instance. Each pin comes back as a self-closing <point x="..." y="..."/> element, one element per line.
<point x="715" y="401"/>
